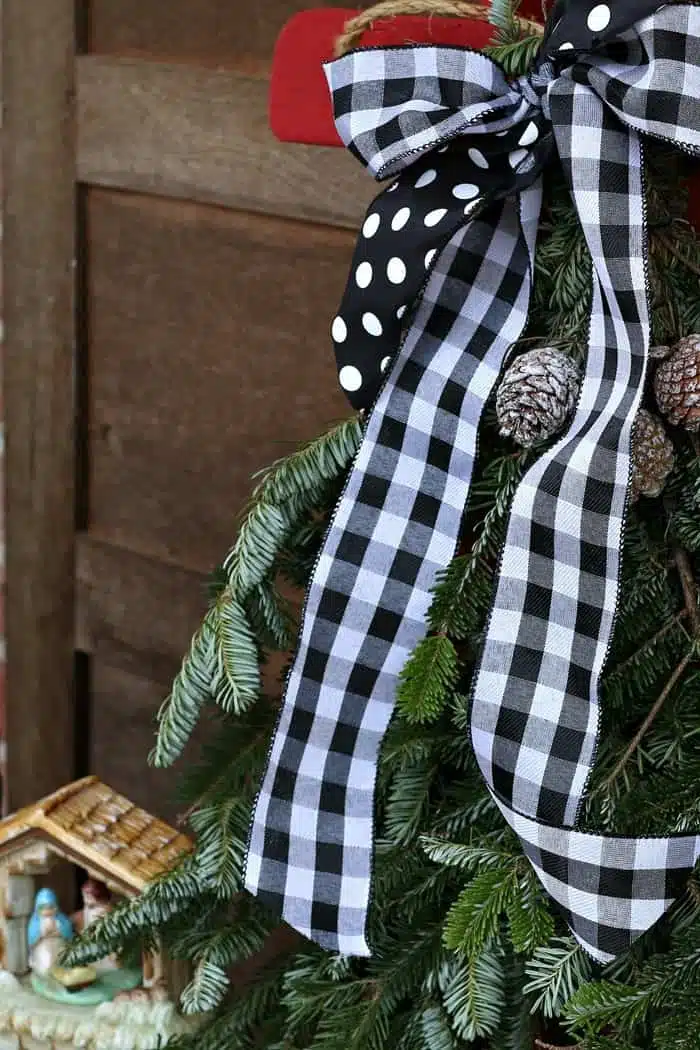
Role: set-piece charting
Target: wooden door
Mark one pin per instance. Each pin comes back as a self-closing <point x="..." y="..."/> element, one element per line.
<point x="209" y="261"/>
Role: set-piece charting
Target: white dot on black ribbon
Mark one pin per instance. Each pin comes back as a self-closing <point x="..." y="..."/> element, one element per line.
<point x="339" y="331"/>
<point x="372" y="224"/>
<point x="400" y="219"/>
<point x="350" y="378"/>
<point x="599" y="18"/>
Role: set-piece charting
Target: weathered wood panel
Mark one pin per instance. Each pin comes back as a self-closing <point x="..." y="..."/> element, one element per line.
<point x="135" y="612"/>
<point x="209" y="358"/>
<point x="203" y="135"/>
<point x="138" y="614"/>
<point x="206" y="31"/>
<point x="38" y="357"/>
<point x="123" y="711"/>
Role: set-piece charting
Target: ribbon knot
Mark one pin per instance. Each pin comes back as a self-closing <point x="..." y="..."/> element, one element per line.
<point x="534" y="86"/>
<point x="437" y="296"/>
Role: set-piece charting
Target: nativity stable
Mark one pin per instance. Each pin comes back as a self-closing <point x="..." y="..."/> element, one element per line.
<point x="121" y="848"/>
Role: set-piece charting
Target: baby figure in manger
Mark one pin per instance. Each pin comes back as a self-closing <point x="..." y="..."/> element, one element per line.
<point x="49" y="933"/>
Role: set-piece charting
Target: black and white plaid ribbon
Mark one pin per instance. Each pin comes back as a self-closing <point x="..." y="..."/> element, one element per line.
<point x="446" y="258"/>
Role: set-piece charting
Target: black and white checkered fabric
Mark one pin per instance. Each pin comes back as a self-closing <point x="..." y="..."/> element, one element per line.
<point x="444" y="263"/>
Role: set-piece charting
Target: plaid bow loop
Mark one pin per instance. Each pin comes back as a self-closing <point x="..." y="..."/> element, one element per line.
<point x="533" y="86"/>
<point x="438" y="294"/>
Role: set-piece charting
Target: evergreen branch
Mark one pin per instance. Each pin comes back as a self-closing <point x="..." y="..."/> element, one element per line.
<point x="650" y="645"/>
<point x="208" y="789"/>
<point x="649" y="720"/>
<point x="516" y="1029"/>
<point x="234" y="1027"/>
<point x="436" y="1029"/>
<point x="464" y="857"/>
<point x="428" y="679"/>
<point x="408" y="801"/>
<point x="222" y="835"/>
<point x="690" y="591"/>
<point x="214" y="950"/>
<point x="289" y="490"/>
<point x="556" y="971"/>
<point x="603" y="1001"/>
<point x="464" y="589"/>
<point x="223" y="661"/>
<point x="517" y="56"/>
<point x="474" y="918"/>
<point x="475" y="995"/>
<point x="530" y="921"/>
<point x="502" y="14"/>
<point x="237" y="684"/>
<point x="673" y="250"/>
<point x="191" y="690"/>
<point x="271" y="617"/>
<point x="206" y="990"/>
<point x="140" y="917"/>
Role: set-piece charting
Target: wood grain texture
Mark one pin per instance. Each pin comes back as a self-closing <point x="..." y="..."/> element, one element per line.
<point x="135" y="612"/>
<point x="206" y="31"/>
<point x="209" y="358"/>
<point x="38" y="253"/>
<point x="203" y="135"/>
<point x="124" y="706"/>
<point x="135" y="617"/>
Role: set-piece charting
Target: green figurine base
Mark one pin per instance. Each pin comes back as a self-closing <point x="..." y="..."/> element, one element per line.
<point x="105" y="988"/>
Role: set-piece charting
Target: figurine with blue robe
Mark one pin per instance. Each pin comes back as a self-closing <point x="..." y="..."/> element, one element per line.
<point x="49" y="933"/>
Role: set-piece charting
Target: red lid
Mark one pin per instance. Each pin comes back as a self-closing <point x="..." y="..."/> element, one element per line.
<point x="300" y="108"/>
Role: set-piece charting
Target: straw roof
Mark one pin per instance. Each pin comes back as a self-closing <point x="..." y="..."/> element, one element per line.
<point x="91" y="825"/>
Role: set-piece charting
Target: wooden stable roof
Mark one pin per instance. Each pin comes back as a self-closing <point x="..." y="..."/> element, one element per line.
<point x="91" y="825"/>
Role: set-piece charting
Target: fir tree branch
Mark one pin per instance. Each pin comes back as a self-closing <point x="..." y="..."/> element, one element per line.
<point x="541" y="1045"/>
<point x="650" y="645"/>
<point x="650" y="718"/>
<point x="220" y="782"/>
<point x="672" y="249"/>
<point x="685" y="571"/>
<point x="687" y="578"/>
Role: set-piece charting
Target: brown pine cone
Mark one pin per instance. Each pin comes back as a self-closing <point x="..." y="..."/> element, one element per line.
<point x="652" y="456"/>
<point x="537" y="395"/>
<point x="677" y="384"/>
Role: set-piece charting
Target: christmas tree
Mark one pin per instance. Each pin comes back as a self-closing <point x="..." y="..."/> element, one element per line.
<point x="467" y="948"/>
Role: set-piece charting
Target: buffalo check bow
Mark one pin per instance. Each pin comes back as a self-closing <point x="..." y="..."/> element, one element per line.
<point x="438" y="294"/>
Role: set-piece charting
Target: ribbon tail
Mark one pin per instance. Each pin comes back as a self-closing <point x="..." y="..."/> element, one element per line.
<point x="395" y="529"/>
<point x="535" y="712"/>
<point x="609" y="889"/>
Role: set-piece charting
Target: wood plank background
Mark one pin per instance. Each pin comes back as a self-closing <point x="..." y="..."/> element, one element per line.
<point x="201" y="134"/>
<point x="215" y="258"/>
<point x="209" y="359"/>
<point x="202" y="32"/>
<point x="39" y="232"/>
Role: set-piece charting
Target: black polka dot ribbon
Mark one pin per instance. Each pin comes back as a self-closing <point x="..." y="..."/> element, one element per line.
<point x="438" y="294"/>
<point x="503" y="149"/>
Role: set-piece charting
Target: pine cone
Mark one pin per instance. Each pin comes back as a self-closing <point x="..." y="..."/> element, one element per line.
<point x="537" y="395"/>
<point x="652" y="456"/>
<point x="677" y="384"/>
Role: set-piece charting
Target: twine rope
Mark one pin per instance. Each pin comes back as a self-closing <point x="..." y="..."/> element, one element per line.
<point x="355" y="29"/>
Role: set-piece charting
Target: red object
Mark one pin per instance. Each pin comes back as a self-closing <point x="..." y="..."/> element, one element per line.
<point x="300" y="108"/>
